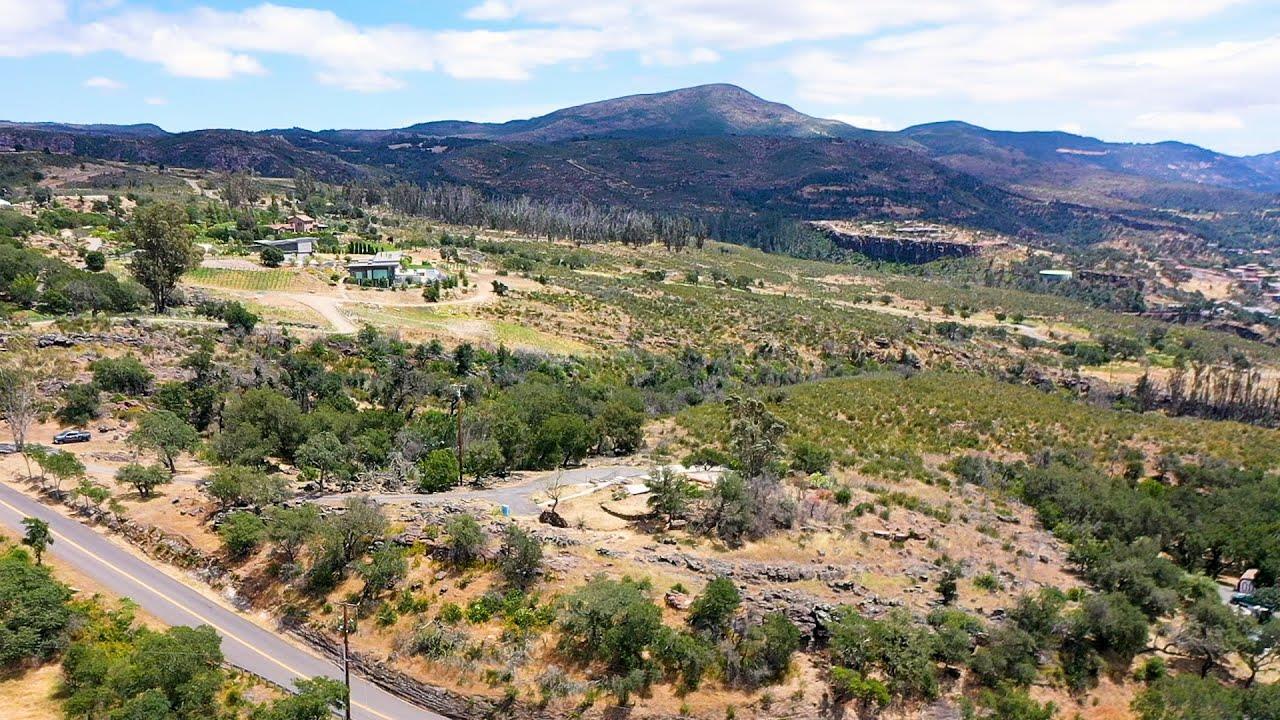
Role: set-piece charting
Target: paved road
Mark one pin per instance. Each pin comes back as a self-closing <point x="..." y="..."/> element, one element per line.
<point x="244" y="643"/>
<point x="519" y="495"/>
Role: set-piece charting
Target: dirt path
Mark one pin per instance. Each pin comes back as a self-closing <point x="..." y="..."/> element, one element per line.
<point x="328" y="307"/>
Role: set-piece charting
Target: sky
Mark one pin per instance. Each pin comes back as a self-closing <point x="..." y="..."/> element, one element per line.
<point x="1200" y="71"/>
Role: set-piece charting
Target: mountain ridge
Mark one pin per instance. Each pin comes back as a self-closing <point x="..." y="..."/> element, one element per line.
<point x="715" y="149"/>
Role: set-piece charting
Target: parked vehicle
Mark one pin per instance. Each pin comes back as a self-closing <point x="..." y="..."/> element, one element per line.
<point x="71" y="436"/>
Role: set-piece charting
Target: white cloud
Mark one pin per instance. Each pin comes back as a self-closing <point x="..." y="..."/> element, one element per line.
<point x="491" y="10"/>
<point x="1074" y="128"/>
<point x="21" y="16"/>
<point x="866" y="122"/>
<point x="103" y="83"/>
<point x="1187" y="121"/>
<point x="842" y="52"/>
<point x="156" y="101"/>
<point x="1086" y="53"/>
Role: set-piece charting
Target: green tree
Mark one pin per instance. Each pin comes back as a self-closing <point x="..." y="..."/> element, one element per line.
<point x="142" y="478"/>
<point x="1258" y="647"/>
<point x="520" y="559"/>
<point x="670" y="494"/>
<point x="1010" y="655"/>
<point x="62" y="465"/>
<point x="730" y="511"/>
<point x="95" y="261"/>
<point x="809" y="457"/>
<point x="754" y="435"/>
<point x="467" y="540"/>
<point x="763" y="655"/>
<point x="34" y="613"/>
<point x="484" y="459"/>
<point x="256" y="425"/>
<point x="1187" y="697"/>
<point x="386" y="567"/>
<point x="852" y="686"/>
<point x="896" y="647"/>
<point x="947" y="583"/>
<point x="290" y="528"/>
<point x="439" y="471"/>
<point x="712" y="611"/>
<point x="164" y="249"/>
<point x="955" y="633"/>
<point x="36" y="536"/>
<point x="81" y="403"/>
<point x="239" y="485"/>
<point x="315" y="699"/>
<point x="166" y="434"/>
<point x="1211" y="631"/>
<point x="325" y="454"/>
<point x="1012" y="704"/>
<point x="91" y="492"/>
<point x="609" y="621"/>
<point x="620" y="423"/>
<point x="272" y="257"/>
<point x="125" y="375"/>
<point x="684" y="657"/>
<point x="141" y="674"/>
<point x="238" y="317"/>
<point x="242" y="533"/>
<point x="341" y="539"/>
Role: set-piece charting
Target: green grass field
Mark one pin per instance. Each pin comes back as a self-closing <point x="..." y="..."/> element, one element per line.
<point x="253" y="280"/>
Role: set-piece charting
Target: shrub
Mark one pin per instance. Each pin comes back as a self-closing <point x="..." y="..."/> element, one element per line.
<point x="763" y="654"/>
<point x="849" y="685"/>
<point x="95" y="261"/>
<point x="467" y="540"/>
<point x="125" y="375"/>
<point x="81" y="403"/>
<point x="684" y="657"/>
<point x="242" y="533"/>
<point x="438" y="472"/>
<point x="272" y="256"/>
<point x="609" y="621"/>
<point x="33" y="610"/>
<point x="843" y="496"/>
<point x="711" y="611"/>
<point x="437" y="642"/>
<point x="238" y="317"/>
<point x="987" y="581"/>
<point x="450" y="614"/>
<point x="520" y="559"/>
<point x="809" y="457"/>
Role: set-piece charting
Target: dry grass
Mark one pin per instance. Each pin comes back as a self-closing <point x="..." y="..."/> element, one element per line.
<point x="29" y="695"/>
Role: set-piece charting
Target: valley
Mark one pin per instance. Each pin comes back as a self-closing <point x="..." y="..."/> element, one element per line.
<point x="827" y="423"/>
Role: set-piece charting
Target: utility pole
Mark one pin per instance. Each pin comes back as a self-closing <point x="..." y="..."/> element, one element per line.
<point x="457" y="409"/>
<point x="346" y="661"/>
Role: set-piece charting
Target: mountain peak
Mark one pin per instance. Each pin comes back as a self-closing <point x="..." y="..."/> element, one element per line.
<point x="701" y="110"/>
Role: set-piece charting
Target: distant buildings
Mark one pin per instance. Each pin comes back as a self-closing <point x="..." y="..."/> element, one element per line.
<point x="381" y="269"/>
<point x="386" y="269"/>
<point x="299" y="224"/>
<point x="294" y="249"/>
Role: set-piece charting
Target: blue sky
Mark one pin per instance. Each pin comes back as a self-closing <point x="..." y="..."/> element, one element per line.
<point x="1203" y="71"/>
